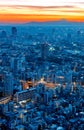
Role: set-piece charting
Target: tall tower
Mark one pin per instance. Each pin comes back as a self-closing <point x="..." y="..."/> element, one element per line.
<point x="8" y="84"/>
<point x="44" y="51"/>
<point x="14" y="31"/>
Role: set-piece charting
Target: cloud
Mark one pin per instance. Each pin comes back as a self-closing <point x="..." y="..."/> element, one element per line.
<point x="41" y="2"/>
<point x="41" y="10"/>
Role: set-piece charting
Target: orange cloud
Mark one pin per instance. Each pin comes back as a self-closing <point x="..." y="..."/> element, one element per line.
<point x="20" y="14"/>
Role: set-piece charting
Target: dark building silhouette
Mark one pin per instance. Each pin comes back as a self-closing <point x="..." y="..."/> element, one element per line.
<point x="39" y="127"/>
<point x="44" y="51"/>
<point x="3" y="34"/>
<point x="14" y="31"/>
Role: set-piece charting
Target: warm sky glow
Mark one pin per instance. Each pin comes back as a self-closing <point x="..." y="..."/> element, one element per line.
<point x="41" y="10"/>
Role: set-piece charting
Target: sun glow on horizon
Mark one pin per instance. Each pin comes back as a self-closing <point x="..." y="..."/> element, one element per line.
<point x="41" y="10"/>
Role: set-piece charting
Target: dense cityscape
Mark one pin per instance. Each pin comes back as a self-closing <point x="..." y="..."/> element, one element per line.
<point x="42" y="76"/>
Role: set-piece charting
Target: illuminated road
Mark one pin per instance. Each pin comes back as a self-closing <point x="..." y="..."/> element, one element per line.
<point x="5" y="100"/>
<point x="26" y="84"/>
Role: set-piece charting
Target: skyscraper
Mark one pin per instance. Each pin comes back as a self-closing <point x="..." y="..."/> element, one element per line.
<point x="14" y="31"/>
<point x="44" y="51"/>
<point x="8" y="84"/>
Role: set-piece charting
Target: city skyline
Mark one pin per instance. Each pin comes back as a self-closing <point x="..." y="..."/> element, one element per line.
<point x="20" y="11"/>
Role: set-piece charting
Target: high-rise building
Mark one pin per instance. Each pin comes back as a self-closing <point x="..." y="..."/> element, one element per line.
<point x="3" y="34"/>
<point x="8" y="84"/>
<point x="46" y="97"/>
<point x="25" y="95"/>
<point x="4" y="59"/>
<point x="14" y="31"/>
<point x="44" y="51"/>
<point x="17" y="64"/>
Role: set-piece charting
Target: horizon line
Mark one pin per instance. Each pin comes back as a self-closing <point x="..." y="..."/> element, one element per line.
<point x="45" y="21"/>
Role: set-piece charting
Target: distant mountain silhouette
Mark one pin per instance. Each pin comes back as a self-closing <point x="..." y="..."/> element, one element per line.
<point x="59" y="22"/>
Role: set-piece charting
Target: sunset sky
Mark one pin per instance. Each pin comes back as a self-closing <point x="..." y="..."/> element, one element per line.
<point x="21" y="11"/>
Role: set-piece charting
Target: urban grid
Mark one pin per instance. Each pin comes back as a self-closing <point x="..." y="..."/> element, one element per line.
<point x="42" y="76"/>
